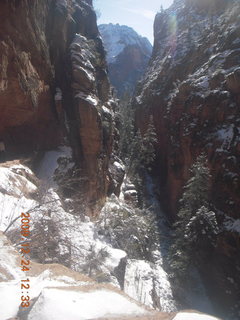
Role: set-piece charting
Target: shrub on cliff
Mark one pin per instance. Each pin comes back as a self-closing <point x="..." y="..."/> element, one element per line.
<point x="131" y="229"/>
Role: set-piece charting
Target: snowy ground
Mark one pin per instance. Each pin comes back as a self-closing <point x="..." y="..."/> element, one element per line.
<point x="62" y="304"/>
<point x="60" y="295"/>
<point x="49" y="163"/>
<point x="193" y="316"/>
<point x="76" y="238"/>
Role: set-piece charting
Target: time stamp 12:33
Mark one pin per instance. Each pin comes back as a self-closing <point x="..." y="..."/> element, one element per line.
<point x="25" y="263"/>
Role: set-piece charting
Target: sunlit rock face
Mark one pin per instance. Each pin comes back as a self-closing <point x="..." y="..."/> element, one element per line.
<point x="127" y="55"/>
<point x="54" y="85"/>
<point x="192" y="90"/>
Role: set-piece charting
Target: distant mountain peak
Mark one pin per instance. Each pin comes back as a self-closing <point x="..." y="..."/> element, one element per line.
<point x="128" y="54"/>
<point x="117" y="37"/>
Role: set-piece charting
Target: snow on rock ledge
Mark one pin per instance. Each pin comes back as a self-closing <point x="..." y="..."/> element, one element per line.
<point x="148" y="283"/>
<point x="193" y="316"/>
<point x="80" y="305"/>
<point x="60" y="293"/>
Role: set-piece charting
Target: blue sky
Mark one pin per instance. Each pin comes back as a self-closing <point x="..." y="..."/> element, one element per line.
<point x="138" y="14"/>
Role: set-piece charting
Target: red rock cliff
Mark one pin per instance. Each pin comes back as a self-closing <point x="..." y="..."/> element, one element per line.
<point x="53" y="83"/>
<point x="192" y="90"/>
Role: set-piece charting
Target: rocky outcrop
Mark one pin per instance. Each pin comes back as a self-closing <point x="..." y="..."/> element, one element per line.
<point x="54" y="85"/>
<point x="192" y="90"/>
<point x="127" y="55"/>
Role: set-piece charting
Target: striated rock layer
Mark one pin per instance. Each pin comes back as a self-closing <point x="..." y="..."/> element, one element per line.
<point x="192" y="90"/>
<point x="53" y="85"/>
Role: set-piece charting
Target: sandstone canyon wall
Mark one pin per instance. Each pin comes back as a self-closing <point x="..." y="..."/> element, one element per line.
<point x="192" y="89"/>
<point x="54" y="86"/>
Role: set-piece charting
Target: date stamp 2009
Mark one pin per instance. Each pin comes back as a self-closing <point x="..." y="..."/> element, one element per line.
<point x="25" y="263"/>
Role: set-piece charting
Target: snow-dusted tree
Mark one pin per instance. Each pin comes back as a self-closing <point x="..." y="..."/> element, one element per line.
<point x="142" y="152"/>
<point x="132" y="230"/>
<point x="126" y="128"/>
<point x="135" y="155"/>
<point x="196" y="190"/>
<point x="196" y="228"/>
<point x="94" y="262"/>
<point x="148" y="144"/>
<point x="202" y="229"/>
<point x="141" y="155"/>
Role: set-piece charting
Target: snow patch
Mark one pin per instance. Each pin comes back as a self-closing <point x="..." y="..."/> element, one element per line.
<point x="89" y="98"/>
<point x="55" y="304"/>
<point x="58" y="95"/>
<point x="193" y="316"/>
<point x="226" y="135"/>
<point x="148" y="283"/>
<point x="232" y="225"/>
<point x="49" y="163"/>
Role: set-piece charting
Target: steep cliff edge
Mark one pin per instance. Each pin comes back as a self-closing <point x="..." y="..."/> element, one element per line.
<point x="192" y="90"/>
<point x="54" y="85"/>
<point x="128" y="55"/>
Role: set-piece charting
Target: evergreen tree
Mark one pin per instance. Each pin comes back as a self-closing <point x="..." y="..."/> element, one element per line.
<point x="202" y="229"/>
<point x="195" y="191"/>
<point x="126" y="127"/>
<point x="135" y="154"/>
<point x="95" y="261"/>
<point x="137" y="151"/>
<point x="142" y="153"/>
<point x="196" y="228"/>
<point x="149" y="142"/>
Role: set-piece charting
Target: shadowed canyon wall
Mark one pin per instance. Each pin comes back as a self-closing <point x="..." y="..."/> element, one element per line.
<point x="192" y="89"/>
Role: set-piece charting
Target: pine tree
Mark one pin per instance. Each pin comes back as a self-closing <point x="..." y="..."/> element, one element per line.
<point x="126" y="127"/>
<point x="142" y="151"/>
<point x="135" y="154"/>
<point x="195" y="191"/>
<point x="196" y="224"/>
<point x="202" y="229"/>
<point x="149" y="142"/>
